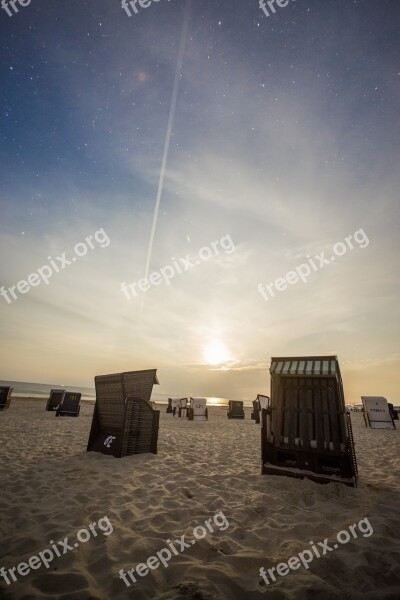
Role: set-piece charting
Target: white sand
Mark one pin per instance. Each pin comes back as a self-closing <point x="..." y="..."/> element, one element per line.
<point x="51" y="488"/>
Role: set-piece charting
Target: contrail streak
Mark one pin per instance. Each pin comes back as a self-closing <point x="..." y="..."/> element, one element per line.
<point x="169" y="130"/>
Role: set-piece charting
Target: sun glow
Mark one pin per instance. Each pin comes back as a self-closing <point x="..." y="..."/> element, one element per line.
<point x="216" y="353"/>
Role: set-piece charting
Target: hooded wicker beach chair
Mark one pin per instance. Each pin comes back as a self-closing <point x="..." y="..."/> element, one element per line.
<point x="70" y="405"/>
<point x="124" y="422"/>
<point x="235" y="409"/>
<point x="198" y="410"/>
<point x="377" y="413"/>
<point x="55" y="399"/>
<point x="5" y="397"/>
<point x="306" y="431"/>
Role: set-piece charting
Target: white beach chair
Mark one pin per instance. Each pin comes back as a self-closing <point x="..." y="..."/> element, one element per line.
<point x="198" y="409"/>
<point x="376" y="413"/>
<point x="263" y="400"/>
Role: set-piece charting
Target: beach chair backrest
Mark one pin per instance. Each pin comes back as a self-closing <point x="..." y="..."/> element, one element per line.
<point x="235" y="409"/>
<point x="235" y="406"/>
<point x="70" y="404"/>
<point x="307" y="403"/>
<point x="312" y="411"/>
<point x="55" y="399"/>
<point x="139" y="384"/>
<point x="5" y="397"/>
<point x="263" y="401"/>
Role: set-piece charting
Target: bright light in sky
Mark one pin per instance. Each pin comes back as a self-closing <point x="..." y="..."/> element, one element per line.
<point x="216" y="353"/>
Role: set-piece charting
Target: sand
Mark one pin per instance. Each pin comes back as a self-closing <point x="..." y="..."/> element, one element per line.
<point x="52" y="488"/>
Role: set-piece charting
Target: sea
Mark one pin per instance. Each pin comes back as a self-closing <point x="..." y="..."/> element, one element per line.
<point x="42" y="390"/>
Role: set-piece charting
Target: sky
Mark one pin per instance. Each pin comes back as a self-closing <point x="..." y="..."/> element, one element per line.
<point x="177" y="187"/>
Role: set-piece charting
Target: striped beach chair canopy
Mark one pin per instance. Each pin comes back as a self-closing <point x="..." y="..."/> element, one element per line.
<point x="308" y="366"/>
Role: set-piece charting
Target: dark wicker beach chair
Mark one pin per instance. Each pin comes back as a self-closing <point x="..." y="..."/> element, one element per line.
<point x="55" y="399"/>
<point x="306" y="431"/>
<point x="124" y="422"/>
<point x="70" y="405"/>
<point x="169" y="410"/>
<point x="5" y="397"/>
<point x="235" y="409"/>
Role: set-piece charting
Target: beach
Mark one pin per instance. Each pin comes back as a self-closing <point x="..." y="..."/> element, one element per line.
<point x="204" y="471"/>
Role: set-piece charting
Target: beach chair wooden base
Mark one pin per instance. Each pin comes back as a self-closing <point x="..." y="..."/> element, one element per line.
<point x="269" y="469"/>
<point x="66" y="413"/>
<point x="322" y="465"/>
<point x="192" y="417"/>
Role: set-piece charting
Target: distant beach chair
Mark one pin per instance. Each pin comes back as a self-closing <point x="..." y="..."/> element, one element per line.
<point x="176" y="403"/>
<point x="124" y="422"/>
<point x="182" y="408"/>
<point x="69" y="405"/>
<point x="198" y="409"/>
<point x="5" y="397"/>
<point x="169" y="407"/>
<point x="264" y="401"/>
<point x="258" y="404"/>
<point x="235" y="409"/>
<point x="394" y="412"/>
<point x="306" y="431"/>
<point x="255" y="413"/>
<point x="377" y="413"/>
<point x="55" y="399"/>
